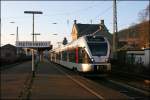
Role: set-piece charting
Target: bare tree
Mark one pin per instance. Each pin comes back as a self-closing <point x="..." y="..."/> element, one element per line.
<point x="65" y="41"/>
<point x="144" y="35"/>
<point x="144" y="14"/>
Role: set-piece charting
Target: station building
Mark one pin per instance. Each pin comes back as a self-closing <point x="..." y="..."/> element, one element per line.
<point x="79" y="30"/>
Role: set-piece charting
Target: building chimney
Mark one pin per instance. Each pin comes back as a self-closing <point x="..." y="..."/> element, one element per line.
<point x="102" y="25"/>
<point x="75" y="21"/>
<point x="102" y="22"/>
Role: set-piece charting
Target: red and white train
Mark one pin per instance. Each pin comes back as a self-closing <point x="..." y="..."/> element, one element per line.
<point x="86" y="54"/>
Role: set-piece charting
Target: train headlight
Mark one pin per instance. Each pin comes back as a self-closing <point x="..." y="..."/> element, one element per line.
<point x="92" y="59"/>
<point x="106" y="59"/>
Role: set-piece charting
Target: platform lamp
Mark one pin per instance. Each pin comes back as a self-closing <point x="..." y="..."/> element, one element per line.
<point x="33" y="13"/>
<point x="17" y="37"/>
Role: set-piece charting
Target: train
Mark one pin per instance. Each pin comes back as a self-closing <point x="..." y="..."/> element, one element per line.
<point x="86" y="54"/>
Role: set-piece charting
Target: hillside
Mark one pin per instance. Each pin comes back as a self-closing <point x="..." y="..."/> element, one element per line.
<point x="138" y="34"/>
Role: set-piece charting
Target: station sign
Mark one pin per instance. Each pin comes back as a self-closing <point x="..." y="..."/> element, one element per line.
<point x="30" y="44"/>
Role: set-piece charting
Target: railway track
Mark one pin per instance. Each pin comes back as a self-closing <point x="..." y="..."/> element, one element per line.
<point x="138" y="81"/>
<point x="130" y="75"/>
<point x="132" y="92"/>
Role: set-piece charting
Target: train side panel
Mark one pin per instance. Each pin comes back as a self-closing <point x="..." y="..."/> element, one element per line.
<point x="78" y="55"/>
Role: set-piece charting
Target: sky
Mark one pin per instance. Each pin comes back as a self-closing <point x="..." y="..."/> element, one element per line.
<point x="63" y="13"/>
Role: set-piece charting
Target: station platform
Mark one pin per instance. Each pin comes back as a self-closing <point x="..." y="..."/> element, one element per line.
<point x="13" y="80"/>
<point x="53" y="82"/>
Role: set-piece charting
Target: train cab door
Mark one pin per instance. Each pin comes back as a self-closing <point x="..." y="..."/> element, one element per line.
<point x="85" y="57"/>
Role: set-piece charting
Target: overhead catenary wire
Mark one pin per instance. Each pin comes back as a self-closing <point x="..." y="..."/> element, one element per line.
<point x="65" y="13"/>
<point x="76" y="11"/>
<point x="103" y="12"/>
<point x="53" y="15"/>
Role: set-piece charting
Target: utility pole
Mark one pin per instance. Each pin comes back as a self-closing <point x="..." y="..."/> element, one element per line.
<point x="36" y="35"/>
<point x="115" y="30"/>
<point x="33" y="12"/>
<point x="91" y="21"/>
<point x="0" y="32"/>
<point x="17" y="39"/>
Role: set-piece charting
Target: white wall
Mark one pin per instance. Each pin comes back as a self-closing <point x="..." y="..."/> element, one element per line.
<point x="140" y="57"/>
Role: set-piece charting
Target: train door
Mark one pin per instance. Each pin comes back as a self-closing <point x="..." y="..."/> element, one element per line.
<point x="76" y="55"/>
<point x="83" y="56"/>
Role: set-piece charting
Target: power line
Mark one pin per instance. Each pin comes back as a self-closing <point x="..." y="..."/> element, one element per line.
<point x="103" y="12"/>
<point x="76" y="11"/>
<point x="66" y="13"/>
<point x="90" y="26"/>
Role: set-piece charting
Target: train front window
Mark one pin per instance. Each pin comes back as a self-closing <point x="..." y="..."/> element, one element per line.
<point x="98" y="49"/>
<point x="95" y="39"/>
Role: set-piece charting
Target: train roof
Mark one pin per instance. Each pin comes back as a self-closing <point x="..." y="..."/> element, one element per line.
<point x="80" y="42"/>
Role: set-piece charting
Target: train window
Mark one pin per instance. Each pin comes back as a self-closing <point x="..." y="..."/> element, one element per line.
<point x="72" y="55"/>
<point x="53" y="56"/>
<point x="64" y="56"/>
<point x="58" y="56"/>
<point x="95" y="39"/>
<point x="98" y="49"/>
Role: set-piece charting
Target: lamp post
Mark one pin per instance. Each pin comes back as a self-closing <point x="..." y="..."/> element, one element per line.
<point x="36" y="48"/>
<point x="12" y="34"/>
<point x="17" y="37"/>
<point x="33" y="13"/>
<point x="36" y="35"/>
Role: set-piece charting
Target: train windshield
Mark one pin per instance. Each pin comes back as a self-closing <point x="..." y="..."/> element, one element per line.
<point x="98" y="49"/>
<point x="95" y="39"/>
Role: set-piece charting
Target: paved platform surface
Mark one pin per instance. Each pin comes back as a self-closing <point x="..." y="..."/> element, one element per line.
<point x="13" y="79"/>
<point x="50" y="83"/>
<point x="53" y="82"/>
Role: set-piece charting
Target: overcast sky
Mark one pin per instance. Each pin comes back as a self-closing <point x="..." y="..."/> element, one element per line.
<point x="63" y="13"/>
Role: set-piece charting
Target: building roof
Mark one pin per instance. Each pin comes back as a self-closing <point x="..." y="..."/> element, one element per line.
<point x="95" y="29"/>
<point x="84" y="29"/>
<point x="8" y="46"/>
